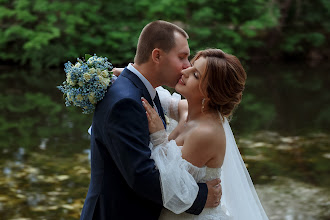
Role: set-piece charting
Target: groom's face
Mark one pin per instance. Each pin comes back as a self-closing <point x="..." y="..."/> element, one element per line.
<point x="175" y="61"/>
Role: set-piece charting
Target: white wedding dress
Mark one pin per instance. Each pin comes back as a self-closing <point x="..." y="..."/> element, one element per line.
<point x="219" y="213"/>
<point x="179" y="177"/>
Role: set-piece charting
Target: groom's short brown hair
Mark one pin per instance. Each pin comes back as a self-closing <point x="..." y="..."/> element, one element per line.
<point x="157" y="34"/>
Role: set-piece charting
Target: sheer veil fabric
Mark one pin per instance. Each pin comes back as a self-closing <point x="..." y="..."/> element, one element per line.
<point x="179" y="177"/>
<point x="238" y="193"/>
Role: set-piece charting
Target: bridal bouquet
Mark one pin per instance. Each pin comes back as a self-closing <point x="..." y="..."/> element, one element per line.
<point x="86" y="82"/>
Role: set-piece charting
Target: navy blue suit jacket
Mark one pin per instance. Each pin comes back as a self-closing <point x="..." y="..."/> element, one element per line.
<point x="124" y="182"/>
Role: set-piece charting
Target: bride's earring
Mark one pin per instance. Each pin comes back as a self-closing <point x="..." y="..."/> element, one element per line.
<point x="203" y="102"/>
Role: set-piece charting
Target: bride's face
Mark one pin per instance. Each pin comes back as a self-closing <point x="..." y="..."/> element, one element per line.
<point x="188" y="85"/>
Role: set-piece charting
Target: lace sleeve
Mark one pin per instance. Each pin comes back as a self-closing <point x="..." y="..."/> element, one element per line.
<point x="169" y="102"/>
<point x="178" y="177"/>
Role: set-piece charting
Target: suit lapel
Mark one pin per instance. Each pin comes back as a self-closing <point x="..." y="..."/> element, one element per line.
<point x="138" y="83"/>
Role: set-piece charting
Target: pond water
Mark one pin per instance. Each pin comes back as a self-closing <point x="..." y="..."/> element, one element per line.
<point x="281" y="127"/>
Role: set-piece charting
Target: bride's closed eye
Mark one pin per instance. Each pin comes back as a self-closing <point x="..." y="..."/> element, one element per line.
<point x="196" y="75"/>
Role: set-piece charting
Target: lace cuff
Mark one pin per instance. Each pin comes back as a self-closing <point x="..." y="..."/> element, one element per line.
<point x="159" y="137"/>
<point x="170" y="103"/>
<point x="178" y="177"/>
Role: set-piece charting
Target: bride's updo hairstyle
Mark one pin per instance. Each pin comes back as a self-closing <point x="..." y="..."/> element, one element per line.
<point x="223" y="82"/>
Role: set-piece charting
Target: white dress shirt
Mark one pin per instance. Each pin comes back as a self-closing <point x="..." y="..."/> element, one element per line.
<point x="150" y="88"/>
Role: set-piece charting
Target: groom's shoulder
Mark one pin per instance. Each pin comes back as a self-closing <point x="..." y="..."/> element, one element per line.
<point x="123" y="88"/>
<point x="120" y="93"/>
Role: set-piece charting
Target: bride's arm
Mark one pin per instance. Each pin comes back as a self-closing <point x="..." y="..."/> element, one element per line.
<point x="117" y="71"/>
<point x="178" y="177"/>
<point x="170" y="103"/>
<point x="173" y="104"/>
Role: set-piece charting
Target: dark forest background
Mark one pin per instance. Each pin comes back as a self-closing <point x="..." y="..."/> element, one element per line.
<point x="47" y="33"/>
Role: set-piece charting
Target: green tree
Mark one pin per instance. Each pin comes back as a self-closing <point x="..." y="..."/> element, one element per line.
<point x="44" y="33"/>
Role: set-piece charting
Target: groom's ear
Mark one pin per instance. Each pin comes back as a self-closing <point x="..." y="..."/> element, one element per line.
<point x="155" y="55"/>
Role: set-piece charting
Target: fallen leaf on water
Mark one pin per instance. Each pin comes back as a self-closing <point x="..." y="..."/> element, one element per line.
<point x="80" y="170"/>
<point x="39" y="208"/>
<point x="21" y="196"/>
<point x="54" y="207"/>
<point x="19" y="175"/>
<point x="62" y="177"/>
<point x="20" y="219"/>
<point x="259" y="144"/>
<point x="78" y="204"/>
<point x="284" y="147"/>
<point x="3" y="198"/>
<point x="54" y="193"/>
<point x="66" y="206"/>
<point x="255" y="158"/>
<point x="327" y="155"/>
<point x="288" y="140"/>
<point x="47" y="179"/>
<point x="32" y="170"/>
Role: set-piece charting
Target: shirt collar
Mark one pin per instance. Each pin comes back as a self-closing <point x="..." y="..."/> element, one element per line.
<point x="150" y="88"/>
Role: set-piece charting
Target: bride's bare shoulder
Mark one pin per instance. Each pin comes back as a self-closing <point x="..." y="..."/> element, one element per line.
<point x="205" y="143"/>
<point x="210" y="131"/>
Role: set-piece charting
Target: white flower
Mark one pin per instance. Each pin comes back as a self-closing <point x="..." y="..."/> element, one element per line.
<point x="91" y="70"/>
<point x="92" y="98"/>
<point x="105" y="73"/>
<point x="90" y="61"/>
<point x="87" y="77"/>
<point x="69" y="80"/>
<point x="104" y="81"/>
<point x="98" y="72"/>
<point x="77" y="65"/>
<point x="107" y="82"/>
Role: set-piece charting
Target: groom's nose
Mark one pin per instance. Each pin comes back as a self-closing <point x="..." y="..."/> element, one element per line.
<point x="186" y="64"/>
<point x="184" y="72"/>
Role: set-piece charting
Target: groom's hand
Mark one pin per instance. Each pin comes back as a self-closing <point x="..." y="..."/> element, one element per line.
<point x="214" y="193"/>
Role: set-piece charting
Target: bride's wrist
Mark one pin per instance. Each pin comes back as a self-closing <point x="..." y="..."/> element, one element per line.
<point x="158" y="138"/>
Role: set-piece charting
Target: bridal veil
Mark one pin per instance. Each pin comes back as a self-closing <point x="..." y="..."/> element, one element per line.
<point x="238" y="193"/>
<point x="239" y="196"/>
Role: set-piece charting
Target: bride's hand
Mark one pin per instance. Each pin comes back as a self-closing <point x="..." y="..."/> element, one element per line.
<point x="154" y="121"/>
<point x="117" y="71"/>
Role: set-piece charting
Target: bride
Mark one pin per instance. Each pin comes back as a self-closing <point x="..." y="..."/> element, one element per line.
<point x="202" y="146"/>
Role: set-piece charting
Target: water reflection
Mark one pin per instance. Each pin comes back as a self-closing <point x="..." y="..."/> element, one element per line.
<point x="282" y="129"/>
<point x="287" y="199"/>
<point x="291" y="99"/>
<point x="46" y="184"/>
<point x="297" y="157"/>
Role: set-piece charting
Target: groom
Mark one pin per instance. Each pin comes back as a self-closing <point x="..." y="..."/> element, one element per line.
<point x="124" y="181"/>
